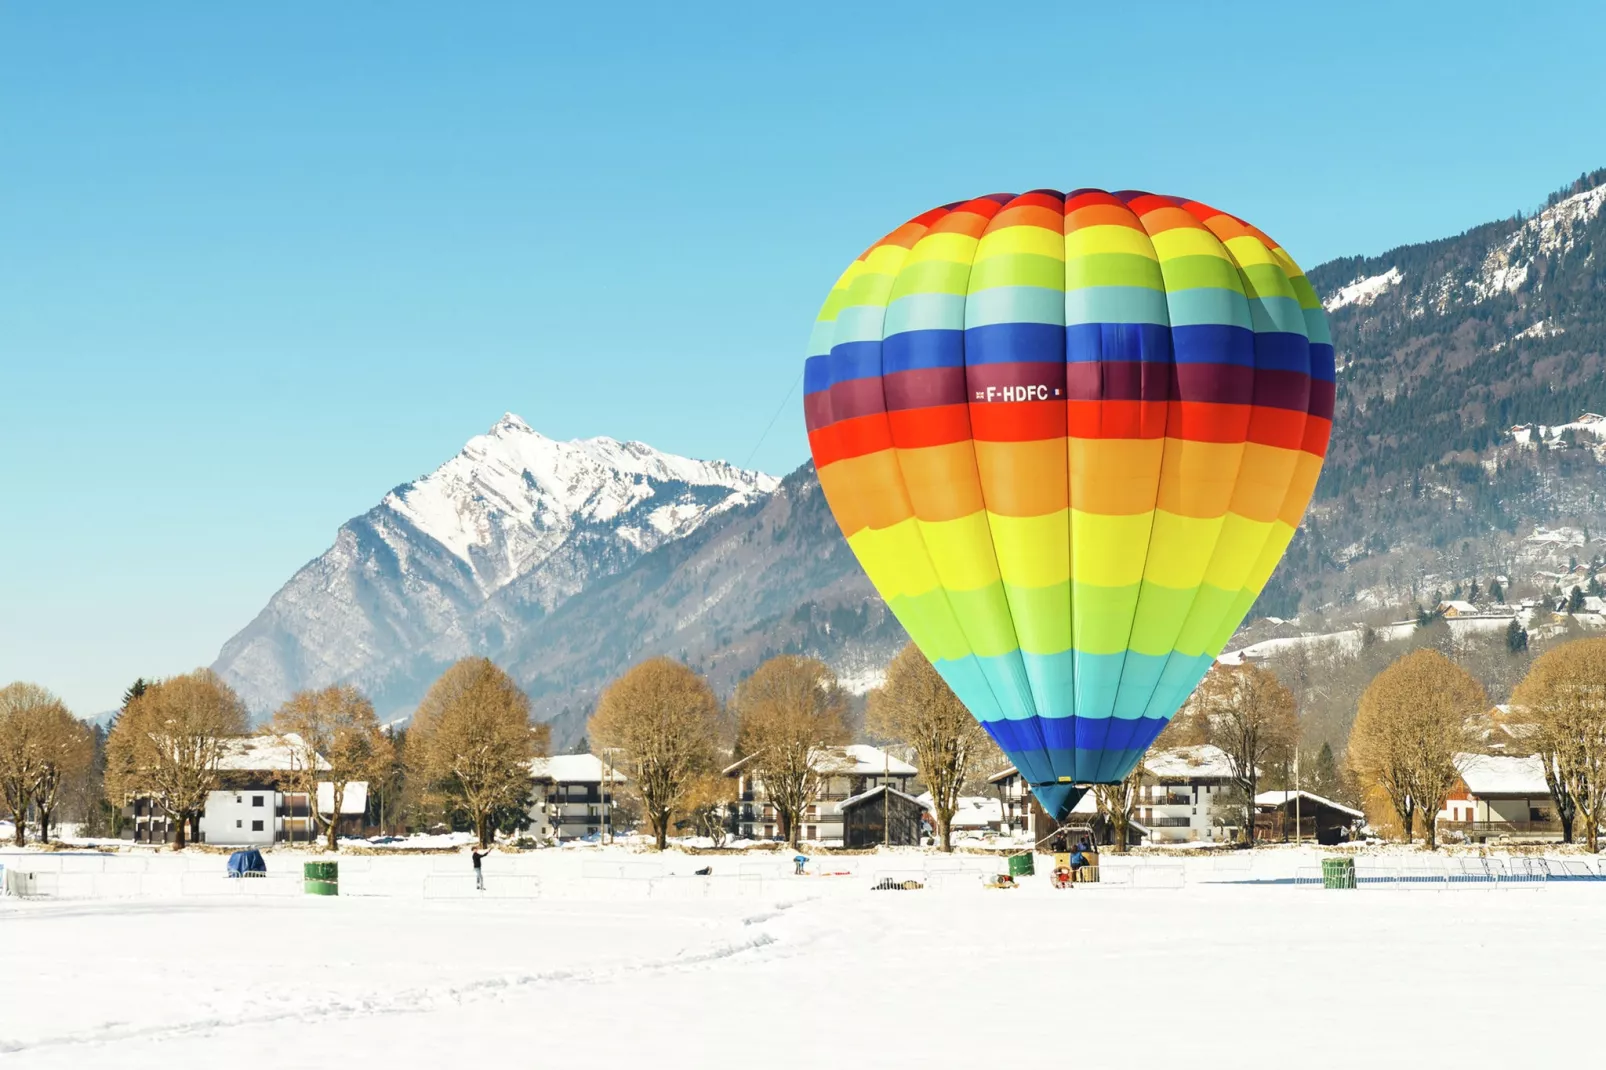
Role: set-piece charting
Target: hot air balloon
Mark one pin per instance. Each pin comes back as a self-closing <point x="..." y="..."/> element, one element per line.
<point x="1068" y="437"/>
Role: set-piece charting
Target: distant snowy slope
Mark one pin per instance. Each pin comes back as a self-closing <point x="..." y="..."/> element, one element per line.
<point x="405" y="588"/>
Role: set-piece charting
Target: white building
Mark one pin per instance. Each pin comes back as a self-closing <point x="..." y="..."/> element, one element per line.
<point x="1185" y="796"/>
<point x="845" y="773"/>
<point x="573" y="796"/>
<point x="255" y="803"/>
<point x="1500" y="795"/>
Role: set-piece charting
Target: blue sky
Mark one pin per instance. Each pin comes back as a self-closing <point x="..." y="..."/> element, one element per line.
<point x="258" y="266"/>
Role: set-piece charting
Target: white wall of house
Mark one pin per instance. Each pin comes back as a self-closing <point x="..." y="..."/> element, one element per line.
<point x="240" y="818"/>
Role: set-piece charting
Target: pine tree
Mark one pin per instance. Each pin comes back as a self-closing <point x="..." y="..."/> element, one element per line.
<point x="1575" y="601"/>
<point x="1516" y="638"/>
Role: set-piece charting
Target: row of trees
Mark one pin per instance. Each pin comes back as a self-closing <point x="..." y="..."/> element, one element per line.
<point x="466" y="753"/>
<point x="1421" y="713"/>
<point x="669" y="728"/>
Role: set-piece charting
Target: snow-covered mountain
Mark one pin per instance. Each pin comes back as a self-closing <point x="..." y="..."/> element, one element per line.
<point x="460" y="561"/>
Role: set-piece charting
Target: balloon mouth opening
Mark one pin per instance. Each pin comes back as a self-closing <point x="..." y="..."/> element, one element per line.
<point x="1058" y="800"/>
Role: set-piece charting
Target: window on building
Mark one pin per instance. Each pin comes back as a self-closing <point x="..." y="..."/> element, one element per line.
<point x="239" y="824"/>
<point x="256" y="826"/>
<point x="256" y="800"/>
<point x="238" y="799"/>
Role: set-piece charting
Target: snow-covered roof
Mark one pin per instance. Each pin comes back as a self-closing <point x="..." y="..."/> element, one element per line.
<point x="1003" y="774"/>
<point x="855" y="800"/>
<point x="973" y="811"/>
<point x="856" y="759"/>
<point x="572" y="769"/>
<point x="1202" y="762"/>
<point x="1502" y="774"/>
<point x="269" y="752"/>
<point x="1282" y="798"/>
<point x="1457" y="606"/>
<point x="354" y="800"/>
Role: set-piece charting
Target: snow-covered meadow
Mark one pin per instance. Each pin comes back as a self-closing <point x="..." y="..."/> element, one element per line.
<point x="608" y="955"/>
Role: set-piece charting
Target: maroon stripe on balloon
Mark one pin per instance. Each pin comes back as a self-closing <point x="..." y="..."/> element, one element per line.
<point x="921" y="388"/>
<point x="1323" y="394"/>
<point x="1015" y="381"/>
<point x="846" y="401"/>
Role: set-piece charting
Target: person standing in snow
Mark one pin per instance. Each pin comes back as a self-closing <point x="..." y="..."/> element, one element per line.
<point x="479" y="874"/>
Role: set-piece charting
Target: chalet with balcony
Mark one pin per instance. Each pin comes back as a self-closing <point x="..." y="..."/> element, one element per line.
<point x="847" y="777"/>
<point x="573" y="796"/>
<point x="1304" y="816"/>
<point x="1499" y="796"/>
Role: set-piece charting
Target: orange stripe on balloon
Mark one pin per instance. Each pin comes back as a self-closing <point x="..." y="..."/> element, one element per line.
<point x="865" y="492"/>
<point x="1023" y="478"/>
<point x="941" y="481"/>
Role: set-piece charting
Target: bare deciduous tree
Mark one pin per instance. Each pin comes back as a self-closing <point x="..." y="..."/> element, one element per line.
<point x="787" y="710"/>
<point x="27" y="714"/>
<point x="167" y="744"/>
<point x="67" y="749"/>
<point x="1247" y="712"/>
<point x="1412" y="722"/>
<point x="663" y="718"/>
<point x="917" y="707"/>
<point x="334" y="737"/>
<point x="1564" y="694"/>
<point x="1116" y="803"/>
<point x="471" y="739"/>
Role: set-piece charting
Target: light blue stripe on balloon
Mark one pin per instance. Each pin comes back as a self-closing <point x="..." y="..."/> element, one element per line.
<point x="1277" y="315"/>
<point x="1209" y="304"/>
<point x="860" y="323"/>
<point x="1116" y="304"/>
<point x="1014" y="304"/>
<point x="926" y="312"/>
<point x="1316" y="328"/>
<point x="821" y="337"/>
<point x="1182" y="674"/>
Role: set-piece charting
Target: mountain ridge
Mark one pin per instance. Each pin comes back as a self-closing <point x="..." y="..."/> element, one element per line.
<point x="1453" y="355"/>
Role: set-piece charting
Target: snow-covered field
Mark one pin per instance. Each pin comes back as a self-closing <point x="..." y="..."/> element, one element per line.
<point x="608" y="957"/>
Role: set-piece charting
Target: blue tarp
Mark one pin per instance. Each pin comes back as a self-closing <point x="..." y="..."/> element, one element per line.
<point x="246" y="863"/>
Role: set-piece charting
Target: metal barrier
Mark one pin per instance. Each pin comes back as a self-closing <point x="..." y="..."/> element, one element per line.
<point x="499" y="886"/>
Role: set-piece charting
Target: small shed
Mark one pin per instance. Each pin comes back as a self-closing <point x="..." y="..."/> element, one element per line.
<point x="1319" y="819"/>
<point x="881" y="815"/>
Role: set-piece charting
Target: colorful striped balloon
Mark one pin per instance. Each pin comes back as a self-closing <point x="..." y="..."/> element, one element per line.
<point x="1068" y="437"/>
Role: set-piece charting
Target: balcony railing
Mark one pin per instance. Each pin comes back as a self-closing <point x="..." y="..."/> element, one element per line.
<point x="1169" y="822"/>
<point x="1503" y="828"/>
<point x="1168" y="800"/>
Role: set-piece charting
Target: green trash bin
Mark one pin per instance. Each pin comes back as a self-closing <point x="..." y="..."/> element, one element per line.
<point x="321" y="878"/>
<point x="1022" y="865"/>
<point x="1338" y="873"/>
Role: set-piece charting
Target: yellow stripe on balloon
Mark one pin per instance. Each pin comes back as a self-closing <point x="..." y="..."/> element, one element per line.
<point x="1236" y="551"/>
<point x="1180" y="549"/>
<point x="1186" y="241"/>
<point x="1108" y="238"/>
<point x="895" y="559"/>
<point x="961" y="551"/>
<point x="943" y="245"/>
<point x="1247" y="250"/>
<point x="1110" y="549"/>
<point x="1033" y="551"/>
<point x="1010" y="241"/>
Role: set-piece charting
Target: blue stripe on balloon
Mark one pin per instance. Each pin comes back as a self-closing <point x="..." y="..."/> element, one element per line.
<point x="1008" y="343"/>
<point x="915" y="350"/>
<point x="1126" y="342"/>
<point x="1321" y="362"/>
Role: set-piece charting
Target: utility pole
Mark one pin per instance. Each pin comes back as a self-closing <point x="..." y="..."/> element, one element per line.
<point x="1298" y="796"/>
<point x="886" y="798"/>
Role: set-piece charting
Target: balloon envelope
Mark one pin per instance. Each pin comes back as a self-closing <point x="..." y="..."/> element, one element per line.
<point x="1068" y="437"/>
